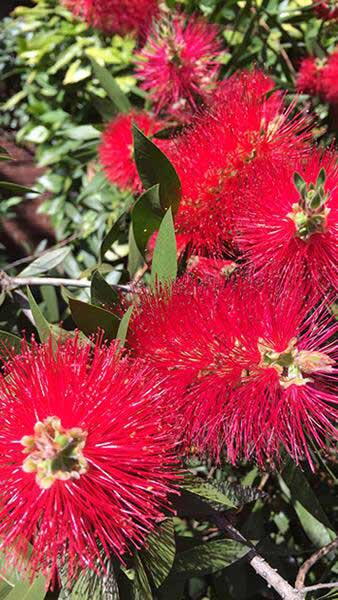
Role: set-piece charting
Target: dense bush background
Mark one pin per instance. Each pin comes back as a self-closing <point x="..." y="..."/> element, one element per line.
<point x="55" y="106"/>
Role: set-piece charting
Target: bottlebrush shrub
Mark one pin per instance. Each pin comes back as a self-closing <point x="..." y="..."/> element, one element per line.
<point x="116" y="151"/>
<point x="86" y="465"/>
<point x="309" y="77"/>
<point x="326" y="10"/>
<point x="250" y="371"/>
<point x="330" y="77"/>
<point x="288" y="221"/>
<point x="115" y="16"/>
<point x="178" y="65"/>
<point x="242" y="127"/>
<point x="318" y="77"/>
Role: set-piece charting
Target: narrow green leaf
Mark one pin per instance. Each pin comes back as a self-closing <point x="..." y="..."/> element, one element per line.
<point x="41" y="324"/>
<point x="112" y="235"/>
<point x="142" y="590"/>
<point x="159" y="553"/>
<point x="146" y="217"/>
<point x="111" y="87"/>
<point x="196" y="485"/>
<point x="135" y="258"/>
<point x="44" y="263"/>
<point x="155" y="167"/>
<point x="307" y="507"/>
<point x="29" y="591"/>
<point x="164" y="263"/>
<point x="123" y="327"/>
<point x="208" y="558"/>
<point x="90" y="319"/>
<point x="102" y="294"/>
<point x="16" y="189"/>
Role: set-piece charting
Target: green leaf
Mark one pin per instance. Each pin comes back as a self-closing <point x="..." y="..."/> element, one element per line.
<point x="44" y="328"/>
<point x="90" y="586"/>
<point x="29" y="591"/>
<point x="164" y="263"/>
<point x="16" y="189"/>
<point x="90" y="318"/>
<point x="82" y="133"/>
<point x="112" y="235"/>
<point x="111" y="87"/>
<point x="44" y="263"/>
<point x="306" y="505"/>
<point x="207" y="491"/>
<point x="146" y="217"/>
<point x="123" y="327"/>
<point x="159" y="553"/>
<point x="142" y="590"/>
<point x="135" y="258"/>
<point x="208" y="558"/>
<point x="9" y="343"/>
<point x="102" y="294"/>
<point x="154" y="167"/>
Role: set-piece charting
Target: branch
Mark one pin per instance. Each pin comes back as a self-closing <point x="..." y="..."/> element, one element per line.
<point x="55" y="281"/>
<point x="303" y="571"/>
<point x="259" y="564"/>
<point x="319" y="586"/>
<point x="8" y="283"/>
<point x="274" y="579"/>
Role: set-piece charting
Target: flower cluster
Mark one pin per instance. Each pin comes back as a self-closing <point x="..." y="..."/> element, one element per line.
<point x="250" y="371"/>
<point x="178" y="65"/>
<point x="115" y="16"/>
<point x="86" y="464"/>
<point x="319" y="77"/>
<point x="214" y="157"/>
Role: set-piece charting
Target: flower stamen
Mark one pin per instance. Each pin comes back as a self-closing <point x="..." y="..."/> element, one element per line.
<point x="54" y="453"/>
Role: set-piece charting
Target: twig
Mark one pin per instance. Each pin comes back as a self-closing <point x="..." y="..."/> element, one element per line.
<point x="259" y="564"/>
<point x="55" y="281"/>
<point x="8" y="283"/>
<point x="304" y="569"/>
<point x="319" y="586"/>
<point x="274" y="579"/>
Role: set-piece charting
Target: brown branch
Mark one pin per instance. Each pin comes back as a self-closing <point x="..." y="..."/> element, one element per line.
<point x="315" y="557"/>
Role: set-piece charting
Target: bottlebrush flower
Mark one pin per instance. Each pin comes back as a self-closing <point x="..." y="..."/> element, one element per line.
<point x="330" y="78"/>
<point x="250" y="370"/>
<point x="178" y="65"/>
<point x="116" y="151"/>
<point x="327" y="9"/>
<point x="213" y="157"/>
<point x="309" y="77"/>
<point x="86" y="465"/>
<point x="115" y="16"/>
<point x="290" y="222"/>
<point x="286" y="396"/>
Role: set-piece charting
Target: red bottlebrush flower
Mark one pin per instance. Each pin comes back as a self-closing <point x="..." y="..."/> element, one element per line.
<point x="86" y="466"/>
<point x="116" y="149"/>
<point x="213" y="156"/>
<point x="326" y="10"/>
<point x="250" y="371"/>
<point x="286" y="396"/>
<point x="330" y="78"/>
<point x="310" y="76"/>
<point x="288" y="227"/>
<point x="178" y="64"/>
<point x="115" y="16"/>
